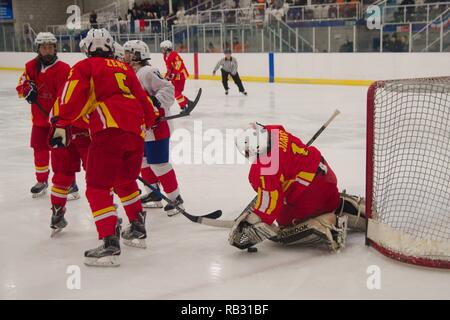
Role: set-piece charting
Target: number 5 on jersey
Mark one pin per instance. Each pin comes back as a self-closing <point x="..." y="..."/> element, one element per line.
<point x="120" y="78"/>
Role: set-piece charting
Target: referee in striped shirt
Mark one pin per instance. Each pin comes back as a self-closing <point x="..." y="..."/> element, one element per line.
<point x="228" y="67"/>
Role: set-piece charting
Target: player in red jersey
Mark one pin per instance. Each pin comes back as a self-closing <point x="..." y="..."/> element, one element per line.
<point x="108" y="92"/>
<point x="66" y="162"/>
<point x="39" y="85"/>
<point x="296" y="188"/>
<point x="176" y="73"/>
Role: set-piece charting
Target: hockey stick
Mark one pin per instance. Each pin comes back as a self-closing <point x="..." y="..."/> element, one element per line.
<point x="210" y="216"/>
<point x="40" y="108"/>
<point x="187" y="111"/>
<point x="230" y="223"/>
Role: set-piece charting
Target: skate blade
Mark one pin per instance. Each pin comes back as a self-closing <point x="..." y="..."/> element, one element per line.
<point x="40" y="194"/>
<point x="73" y="196"/>
<point x="136" y="243"/>
<point x="172" y="213"/>
<point x="153" y="205"/>
<point x="110" y="261"/>
<point x="55" y="232"/>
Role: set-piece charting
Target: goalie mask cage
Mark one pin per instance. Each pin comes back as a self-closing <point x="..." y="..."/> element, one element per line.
<point x="408" y="170"/>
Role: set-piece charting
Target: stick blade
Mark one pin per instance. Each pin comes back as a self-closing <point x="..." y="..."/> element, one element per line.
<point x="214" y="215"/>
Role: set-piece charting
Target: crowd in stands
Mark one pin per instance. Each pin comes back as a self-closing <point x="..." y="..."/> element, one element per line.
<point x="395" y="43"/>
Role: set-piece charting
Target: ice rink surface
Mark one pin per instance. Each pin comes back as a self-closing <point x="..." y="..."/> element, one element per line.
<point x="190" y="261"/>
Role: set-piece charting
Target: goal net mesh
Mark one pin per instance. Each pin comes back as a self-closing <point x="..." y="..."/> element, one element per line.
<point x="409" y="169"/>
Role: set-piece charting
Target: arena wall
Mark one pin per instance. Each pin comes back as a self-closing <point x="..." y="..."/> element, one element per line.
<point x="307" y="68"/>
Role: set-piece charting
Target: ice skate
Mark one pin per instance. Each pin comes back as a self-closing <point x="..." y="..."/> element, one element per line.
<point x="151" y="200"/>
<point x="106" y="255"/>
<point x="171" y="208"/>
<point x="135" y="234"/>
<point x="58" y="222"/>
<point x="73" y="192"/>
<point x="39" y="189"/>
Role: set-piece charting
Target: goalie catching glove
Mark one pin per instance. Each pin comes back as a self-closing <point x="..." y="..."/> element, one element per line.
<point x="249" y="230"/>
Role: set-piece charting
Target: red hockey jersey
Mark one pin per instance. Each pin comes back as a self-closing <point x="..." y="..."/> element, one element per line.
<point x="175" y="66"/>
<point x="49" y="80"/>
<point x="282" y="175"/>
<point x="108" y="93"/>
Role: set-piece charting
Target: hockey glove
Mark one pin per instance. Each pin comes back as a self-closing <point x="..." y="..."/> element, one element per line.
<point x="30" y="92"/>
<point x="59" y="137"/>
<point x="250" y="230"/>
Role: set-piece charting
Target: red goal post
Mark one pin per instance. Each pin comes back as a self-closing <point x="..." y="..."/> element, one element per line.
<point x="408" y="170"/>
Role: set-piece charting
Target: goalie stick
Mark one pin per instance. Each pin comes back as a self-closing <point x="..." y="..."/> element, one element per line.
<point x="210" y="216"/>
<point x="230" y="223"/>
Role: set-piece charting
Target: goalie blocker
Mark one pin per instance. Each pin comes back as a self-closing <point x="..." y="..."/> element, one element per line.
<point x="300" y="194"/>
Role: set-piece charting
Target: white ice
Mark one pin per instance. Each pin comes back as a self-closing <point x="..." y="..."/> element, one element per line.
<point x="190" y="261"/>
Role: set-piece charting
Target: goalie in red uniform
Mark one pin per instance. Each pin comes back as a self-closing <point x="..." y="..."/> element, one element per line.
<point x="176" y="73"/>
<point x="108" y="92"/>
<point x="39" y="84"/>
<point x="296" y="188"/>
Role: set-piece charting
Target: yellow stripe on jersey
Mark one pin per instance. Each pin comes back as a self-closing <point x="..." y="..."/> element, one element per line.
<point x="70" y="89"/>
<point x="129" y="197"/>
<point x="103" y="211"/>
<point x="273" y="202"/>
<point x="258" y="199"/>
<point x="308" y="176"/>
<point x="263" y="183"/>
<point x="91" y="103"/>
<point x="110" y="122"/>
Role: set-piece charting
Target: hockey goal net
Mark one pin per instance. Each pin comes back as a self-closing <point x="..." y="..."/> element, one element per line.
<point x="408" y="170"/>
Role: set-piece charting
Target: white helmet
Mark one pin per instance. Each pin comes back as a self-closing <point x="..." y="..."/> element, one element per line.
<point x="253" y="141"/>
<point x="166" y="44"/>
<point x="119" y="51"/>
<point x="139" y="50"/>
<point x="45" y="37"/>
<point x="99" y="40"/>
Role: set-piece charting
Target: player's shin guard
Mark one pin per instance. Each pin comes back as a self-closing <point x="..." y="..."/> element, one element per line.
<point x="41" y="163"/>
<point x="168" y="179"/>
<point x="60" y="189"/>
<point x="103" y="210"/>
<point x="129" y="196"/>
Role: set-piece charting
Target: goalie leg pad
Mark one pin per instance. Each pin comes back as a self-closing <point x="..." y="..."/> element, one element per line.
<point x="354" y="208"/>
<point x="326" y="229"/>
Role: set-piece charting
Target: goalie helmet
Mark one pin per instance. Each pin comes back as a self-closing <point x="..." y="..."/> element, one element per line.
<point x="119" y="51"/>
<point x="99" y="42"/>
<point x="166" y="44"/>
<point x="138" y="49"/>
<point x="254" y="141"/>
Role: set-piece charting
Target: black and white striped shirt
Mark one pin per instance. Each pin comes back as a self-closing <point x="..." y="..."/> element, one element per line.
<point x="228" y="65"/>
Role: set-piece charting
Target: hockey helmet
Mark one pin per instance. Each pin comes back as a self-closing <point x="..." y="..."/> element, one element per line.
<point x="254" y="141"/>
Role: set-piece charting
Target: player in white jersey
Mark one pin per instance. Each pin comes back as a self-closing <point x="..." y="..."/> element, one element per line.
<point x="156" y="166"/>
